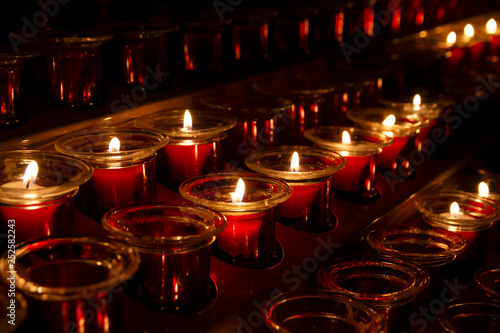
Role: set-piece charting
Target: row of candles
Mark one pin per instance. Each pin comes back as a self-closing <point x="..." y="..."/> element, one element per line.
<point x="112" y="175"/>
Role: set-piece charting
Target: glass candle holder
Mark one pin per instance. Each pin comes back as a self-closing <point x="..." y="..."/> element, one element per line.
<point x="488" y="279"/>
<point x="142" y="52"/>
<point x="475" y="213"/>
<point x="202" y="46"/>
<point x="123" y="174"/>
<point x="324" y="311"/>
<point x="72" y="69"/>
<point x="308" y="208"/>
<point x="250" y="34"/>
<point x="39" y="204"/>
<point x="307" y="109"/>
<point x="355" y="182"/>
<point x="11" y="64"/>
<point x="291" y="31"/>
<point x="426" y="247"/>
<point x="190" y="152"/>
<point x="384" y="283"/>
<point x="249" y="239"/>
<point x="471" y="317"/>
<point x="174" y="245"/>
<point x="258" y="122"/>
<point x="74" y="282"/>
<point x="398" y="156"/>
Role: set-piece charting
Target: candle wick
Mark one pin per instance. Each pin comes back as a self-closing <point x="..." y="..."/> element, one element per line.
<point x="28" y="184"/>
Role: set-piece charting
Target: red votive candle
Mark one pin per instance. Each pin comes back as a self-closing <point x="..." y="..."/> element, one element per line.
<point x="309" y="171"/>
<point x="73" y="67"/>
<point x="39" y="203"/>
<point x="174" y="245"/>
<point x="360" y="148"/>
<point x="75" y="283"/>
<point x="249" y="239"/>
<point x="404" y="126"/>
<point x="124" y="169"/>
<point x="194" y="149"/>
<point x="258" y="122"/>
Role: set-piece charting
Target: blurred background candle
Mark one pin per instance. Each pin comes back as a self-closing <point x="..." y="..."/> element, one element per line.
<point x="248" y="201"/>
<point x="195" y="143"/>
<point x="494" y="40"/>
<point x="124" y="166"/>
<point x="360" y="148"/>
<point x="37" y="192"/>
<point x="174" y="245"/>
<point x="309" y="171"/>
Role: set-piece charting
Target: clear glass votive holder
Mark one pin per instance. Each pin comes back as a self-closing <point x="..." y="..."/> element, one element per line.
<point x="189" y="152"/>
<point x="72" y="68"/>
<point x="11" y="65"/>
<point x="123" y="174"/>
<point x="74" y="282"/>
<point x="321" y="311"/>
<point x="308" y="208"/>
<point x="488" y="279"/>
<point x="308" y="104"/>
<point x="356" y="181"/>
<point x="384" y="283"/>
<point x="249" y="239"/>
<point x="44" y="205"/>
<point x="475" y="213"/>
<point x="426" y="247"/>
<point x="258" y="122"/>
<point x="142" y="51"/>
<point x="471" y="317"/>
<point x="174" y="245"/>
<point x="401" y="154"/>
<point x="290" y="31"/>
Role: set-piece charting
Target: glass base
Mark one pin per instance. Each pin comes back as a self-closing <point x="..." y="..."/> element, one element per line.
<point x="364" y="197"/>
<point x="12" y="122"/>
<point x="243" y="262"/>
<point x="307" y="224"/>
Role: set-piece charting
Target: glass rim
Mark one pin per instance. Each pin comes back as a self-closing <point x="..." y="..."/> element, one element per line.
<point x="68" y="38"/>
<point x="361" y="117"/>
<point x="257" y="162"/>
<point x="39" y="291"/>
<point x="420" y="279"/>
<point x="283" y="192"/>
<point x="172" y="120"/>
<point x="425" y="201"/>
<point x="376" y="239"/>
<point x="479" y="276"/>
<point x="59" y="163"/>
<point x="465" y="309"/>
<point x="318" y="134"/>
<point x="71" y="144"/>
<point x="290" y="296"/>
<point x="218" y="224"/>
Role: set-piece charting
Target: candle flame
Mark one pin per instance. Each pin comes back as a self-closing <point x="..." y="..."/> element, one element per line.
<point x="237" y="196"/>
<point x="346" y="138"/>
<point x="451" y="38"/>
<point x="294" y="165"/>
<point x="417" y="100"/>
<point x="491" y="26"/>
<point x="114" y="145"/>
<point x="469" y="31"/>
<point x="389" y="121"/>
<point x="30" y="174"/>
<point x="188" y="121"/>
<point x="483" y="190"/>
<point x="455" y="210"/>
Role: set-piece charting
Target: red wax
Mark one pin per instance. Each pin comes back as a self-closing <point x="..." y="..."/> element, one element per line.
<point x="477" y="51"/>
<point x="244" y="235"/>
<point x="141" y="60"/>
<point x="387" y="159"/>
<point x="424" y="134"/>
<point x="186" y="161"/>
<point x="358" y="174"/>
<point x="37" y="221"/>
<point x="300" y="202"/>
<point x="116" y="187"/>
<point x="470" y="236"/>
<point x="494" y="46"/>
<point x="455" y="61"/>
